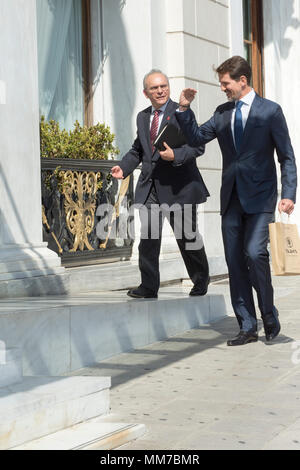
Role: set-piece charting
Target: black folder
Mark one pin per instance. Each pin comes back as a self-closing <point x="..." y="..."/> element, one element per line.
<point x="170" y="134"/>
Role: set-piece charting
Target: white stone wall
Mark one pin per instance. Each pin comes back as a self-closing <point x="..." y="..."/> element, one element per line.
<point x="198" y="41"/>
<point x="184" y="38"/>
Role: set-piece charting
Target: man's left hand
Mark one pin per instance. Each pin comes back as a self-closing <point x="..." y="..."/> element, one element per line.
<point x="286" y="205"/>
<point x="167" y="154"/>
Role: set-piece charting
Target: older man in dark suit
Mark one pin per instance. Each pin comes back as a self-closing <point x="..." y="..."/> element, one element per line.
<point x="168" y="178"/>
<point x="248" y="128"/>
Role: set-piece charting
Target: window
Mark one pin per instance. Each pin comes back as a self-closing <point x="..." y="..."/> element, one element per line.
<point x="253" y="41"/>
<point x="63" y="36"/>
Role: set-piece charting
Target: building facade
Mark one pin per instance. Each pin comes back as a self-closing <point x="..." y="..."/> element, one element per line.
<point x="86" y="59"/>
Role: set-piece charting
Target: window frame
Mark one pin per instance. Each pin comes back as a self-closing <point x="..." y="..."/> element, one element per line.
<point x="256" y="43"/>
<point x="87" y="62"/>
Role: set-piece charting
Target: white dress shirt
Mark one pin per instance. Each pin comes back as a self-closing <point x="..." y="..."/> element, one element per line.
<point x="245" y="109"/>
<point x="161" y="114"/>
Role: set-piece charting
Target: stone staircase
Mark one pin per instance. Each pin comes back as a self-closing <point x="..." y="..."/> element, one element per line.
<point x="56" y="412"/>
<point x="60" y="334"/>
<point x="46" y="408"/>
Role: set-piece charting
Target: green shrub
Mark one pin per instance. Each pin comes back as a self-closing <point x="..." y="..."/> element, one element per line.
<point x="94" y="142"/>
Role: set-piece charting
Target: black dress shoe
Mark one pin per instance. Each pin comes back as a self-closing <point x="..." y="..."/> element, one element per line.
<point x="271" y="325"/>
<point x="200" y="289"/>
<point x="242" y="338"/>
<point x="141" y="293"/>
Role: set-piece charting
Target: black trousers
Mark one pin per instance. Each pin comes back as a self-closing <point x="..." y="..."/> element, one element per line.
<point x="183" y="221"/>
<point x="245" y="238"/>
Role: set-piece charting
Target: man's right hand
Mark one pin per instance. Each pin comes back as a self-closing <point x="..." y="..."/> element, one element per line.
<point x="117" y="172"/>
<point x="186" y="97"/>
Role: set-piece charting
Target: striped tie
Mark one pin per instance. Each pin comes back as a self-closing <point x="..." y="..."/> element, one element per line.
<point x="154" y="127"/>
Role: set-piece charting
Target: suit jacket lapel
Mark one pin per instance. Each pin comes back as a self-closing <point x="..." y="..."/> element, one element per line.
<point x="146" y="127"/>
<point x="170" y="109"/>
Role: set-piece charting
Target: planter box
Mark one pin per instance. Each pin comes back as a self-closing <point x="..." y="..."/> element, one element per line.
<point x="81" y="205"/>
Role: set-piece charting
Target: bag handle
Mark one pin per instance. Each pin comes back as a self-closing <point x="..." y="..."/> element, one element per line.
<point x="279" y="217"/>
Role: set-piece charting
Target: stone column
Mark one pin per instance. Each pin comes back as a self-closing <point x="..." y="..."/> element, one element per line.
<point x="198" y="39"/>
<point x="22" y="251"/>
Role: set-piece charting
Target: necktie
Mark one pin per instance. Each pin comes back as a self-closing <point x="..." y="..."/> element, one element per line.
<point x="238" y="125"/>
<point x="154" y="127"/>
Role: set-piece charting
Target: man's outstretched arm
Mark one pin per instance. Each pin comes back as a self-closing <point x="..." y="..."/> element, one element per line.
<point x="129" y="162"/>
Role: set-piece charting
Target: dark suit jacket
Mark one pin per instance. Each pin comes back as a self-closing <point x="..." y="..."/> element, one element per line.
<point x="253" y="167"/>
<point x="175" y="182"/>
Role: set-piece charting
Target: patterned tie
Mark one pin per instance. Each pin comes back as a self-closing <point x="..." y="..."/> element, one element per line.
<point x="154" y="127"/>
<point x="238" y="125"/>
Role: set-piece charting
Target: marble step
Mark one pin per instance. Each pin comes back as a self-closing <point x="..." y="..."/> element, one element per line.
<point x="92" y="435"/>
<point x="11" y="370"/>
<point x="60" y="334"/>
<point x="43" y="405"/>
<point x="126" y="274"/>
<point x="113" y="276"/>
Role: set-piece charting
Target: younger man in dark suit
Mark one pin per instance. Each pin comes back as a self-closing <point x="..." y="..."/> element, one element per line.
<point x="248" y="128"/>
<point x="168" y="178"/>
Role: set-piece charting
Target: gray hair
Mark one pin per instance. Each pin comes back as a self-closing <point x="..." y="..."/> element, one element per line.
<point x="153" y="71"/>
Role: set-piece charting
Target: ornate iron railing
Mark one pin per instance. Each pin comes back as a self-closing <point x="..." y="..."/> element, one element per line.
<point x="75" y="194"/>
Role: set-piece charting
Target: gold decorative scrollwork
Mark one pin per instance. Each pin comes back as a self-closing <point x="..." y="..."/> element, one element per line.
<point x="79" y="189"/>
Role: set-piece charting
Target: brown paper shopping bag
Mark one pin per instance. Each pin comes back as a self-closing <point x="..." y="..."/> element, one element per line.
<point x="285" y="248"/>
